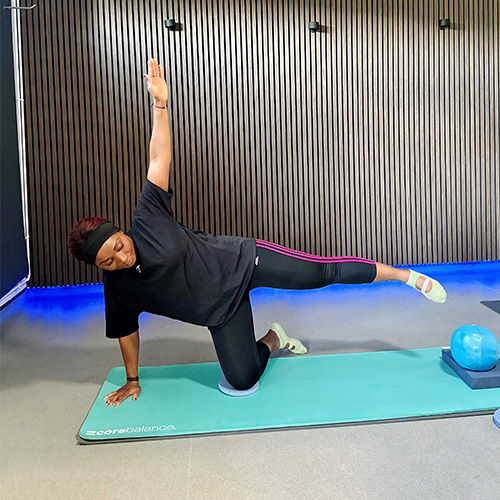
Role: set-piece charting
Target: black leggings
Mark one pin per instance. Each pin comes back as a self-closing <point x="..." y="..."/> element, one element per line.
<point x="242" y="359"/>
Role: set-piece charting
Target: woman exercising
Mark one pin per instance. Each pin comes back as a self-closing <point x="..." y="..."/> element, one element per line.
<point x="161" y="267"/>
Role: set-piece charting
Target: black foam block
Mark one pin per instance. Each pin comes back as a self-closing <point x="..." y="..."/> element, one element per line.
<point x="474" y="379"/>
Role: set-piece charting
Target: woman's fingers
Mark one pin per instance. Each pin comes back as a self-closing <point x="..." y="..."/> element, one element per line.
<point x="117" y="397"/>
<point x="111" y="399"/>
<point x="120" y="400"/>
<point x="155" y="70"/>
<point x="152" y="67"/>
<point x="110" y="394"/>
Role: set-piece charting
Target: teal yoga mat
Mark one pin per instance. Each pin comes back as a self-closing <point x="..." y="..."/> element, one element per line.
<point x="183" y="400"/>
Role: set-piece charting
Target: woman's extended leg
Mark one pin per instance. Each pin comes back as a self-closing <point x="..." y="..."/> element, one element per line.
<point x="281" y="267"/>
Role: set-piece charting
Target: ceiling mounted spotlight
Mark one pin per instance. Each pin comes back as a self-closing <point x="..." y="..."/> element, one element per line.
<point x="170" y="24"/>
<point x="444" y="24"/>
<point x="313" y="26"/>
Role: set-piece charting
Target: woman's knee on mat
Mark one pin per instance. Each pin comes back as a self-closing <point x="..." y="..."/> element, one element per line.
<point x="242" y="381"/>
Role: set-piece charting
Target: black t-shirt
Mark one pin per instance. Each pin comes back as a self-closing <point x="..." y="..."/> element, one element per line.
<point x="184" y="274"/>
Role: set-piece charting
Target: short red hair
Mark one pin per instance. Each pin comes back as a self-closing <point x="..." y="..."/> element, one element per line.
<point x="80" y="233"/>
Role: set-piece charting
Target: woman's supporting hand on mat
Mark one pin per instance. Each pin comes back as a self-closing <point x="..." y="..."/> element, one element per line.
<point x="129" y="389"/>
<point x="129" y="346"/>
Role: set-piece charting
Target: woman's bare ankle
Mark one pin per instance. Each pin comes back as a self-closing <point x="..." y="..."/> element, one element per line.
<point x="271" y="340"/>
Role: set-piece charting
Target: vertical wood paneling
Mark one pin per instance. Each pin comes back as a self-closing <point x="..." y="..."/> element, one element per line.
<point x="378" y="136"/>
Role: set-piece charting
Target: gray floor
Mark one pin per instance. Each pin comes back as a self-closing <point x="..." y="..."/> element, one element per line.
<point x="54" y="358"/>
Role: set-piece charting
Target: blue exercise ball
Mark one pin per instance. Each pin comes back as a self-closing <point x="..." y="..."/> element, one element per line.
<point x="475" y="348"/>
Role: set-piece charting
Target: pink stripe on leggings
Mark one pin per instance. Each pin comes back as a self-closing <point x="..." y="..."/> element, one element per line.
<point x="307" y="256"/>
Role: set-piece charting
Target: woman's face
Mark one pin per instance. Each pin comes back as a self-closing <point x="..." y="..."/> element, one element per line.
<point x="117" y="252"/>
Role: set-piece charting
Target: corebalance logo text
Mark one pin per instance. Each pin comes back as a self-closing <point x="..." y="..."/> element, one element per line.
<point x="132" y="430"/>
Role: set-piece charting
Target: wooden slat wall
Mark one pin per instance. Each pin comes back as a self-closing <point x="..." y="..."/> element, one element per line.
<point x="378" y="136"/>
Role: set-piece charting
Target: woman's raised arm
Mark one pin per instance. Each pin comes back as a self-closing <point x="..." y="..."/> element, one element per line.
<point x="160" y="147"/>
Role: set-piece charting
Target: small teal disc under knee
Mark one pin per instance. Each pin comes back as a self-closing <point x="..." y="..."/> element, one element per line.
<point x="228" y="389"/>
<point x="474" y="348"/>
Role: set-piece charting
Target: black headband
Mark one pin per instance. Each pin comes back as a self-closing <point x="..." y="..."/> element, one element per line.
<point x="95" y="241"/>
